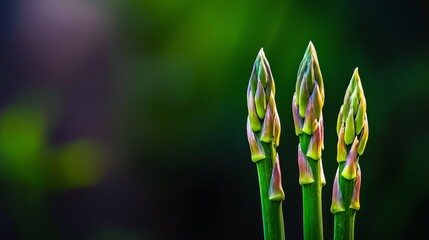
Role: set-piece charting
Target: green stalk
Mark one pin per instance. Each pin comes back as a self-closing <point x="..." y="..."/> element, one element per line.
<point x="263" y="134"/>
<point x="344" y="222"/>
<point x="352" y="131"/>
<point x="312" y="198"/>
<point x="307" y="104"/>
<point x="272" y="213"/>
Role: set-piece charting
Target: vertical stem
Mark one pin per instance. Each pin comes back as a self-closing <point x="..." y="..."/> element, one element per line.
<point x="272" y="214"/>
<point x="312" y="198"/>
<point x="344" y="222"/>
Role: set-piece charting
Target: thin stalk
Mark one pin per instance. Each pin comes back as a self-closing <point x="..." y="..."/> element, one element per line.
<point x="312" y="197"/>
<point x="272" y="214"/>
<point x="344" y="222"/>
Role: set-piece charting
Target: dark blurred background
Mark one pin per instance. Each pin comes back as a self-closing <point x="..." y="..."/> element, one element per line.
<point x="126" y="119"/>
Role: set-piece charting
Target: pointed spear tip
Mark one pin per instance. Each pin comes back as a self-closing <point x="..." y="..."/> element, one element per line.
<point x="311" y="48"/>
<point x="356" y="76"/>
<point x="310" y="52"/>
<point x="261" y="52"/>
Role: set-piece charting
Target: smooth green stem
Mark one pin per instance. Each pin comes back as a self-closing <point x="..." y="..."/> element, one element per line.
<point x="344" y="222"/>
<point x="312" y="198"/>
<point x="272" y="213"/>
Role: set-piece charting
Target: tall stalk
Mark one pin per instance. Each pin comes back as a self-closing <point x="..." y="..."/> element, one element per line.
<point x="263" y="134"/>
<point x="307" y="107"/>
<point x="352" y="131"/>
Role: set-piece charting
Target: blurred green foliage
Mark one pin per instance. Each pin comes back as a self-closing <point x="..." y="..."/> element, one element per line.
<point x="27" y="158"/>
<point x="22" y="133"/>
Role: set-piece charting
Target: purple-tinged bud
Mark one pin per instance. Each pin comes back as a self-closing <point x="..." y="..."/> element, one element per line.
<point x="267" y="126"/>
<point x="354" y="102"/>
<point x="341" y="146"/>
<point x="359" y="119"/>
<point x="303" y="97"/>
<point x="298" y="84"/>
<point x="254" y="119"/>
<point x="310" y="122"/>
<point x="260" y="100"/>
<point x="263" y="73"/>
<point x="276" y="192"/>
<point x="276" y="129"/>
<point x="316" y="98"/>
<point x="314" y="150"/>
<point x="296" y="117"/>
<point x="318" y="77"/>
<point x="272" y="102"/>
<point x="256" y="149"/>
<point x="309" y="90"/>
<point x="349" y="133"/>
<point x="270" y="76"/>
<point x="355" y="78"/>
<point x="310" y="76"/>
<point x="270" y="80"/>
<point x="362" y="99"/>
<point x="339" y="120"/>
<point x="337" y="199"/>
<point x="305" y="172"/>
<point x="346" y="104"/>
<point x="355" y="203"/>
<point x="364" y="137"/>
<point x="349" y="170"/>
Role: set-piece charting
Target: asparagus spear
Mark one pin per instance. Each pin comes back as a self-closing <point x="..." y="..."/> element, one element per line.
<point x="307" y="107"/>
<point x="263" y="134"/>
<point x="352" y="131"/>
